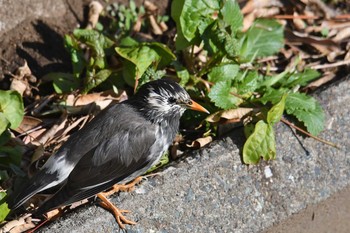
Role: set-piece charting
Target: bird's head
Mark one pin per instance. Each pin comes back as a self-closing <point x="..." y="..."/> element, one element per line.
<point x="165" y="99"/>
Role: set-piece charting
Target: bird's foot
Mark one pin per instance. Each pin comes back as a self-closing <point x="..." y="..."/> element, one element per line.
<point x="118" y="214"/>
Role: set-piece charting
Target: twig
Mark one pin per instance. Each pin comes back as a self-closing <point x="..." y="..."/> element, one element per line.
<point x="331" y="65"/>
<point x="295" y="17"/>
<point x="308" y="134"/>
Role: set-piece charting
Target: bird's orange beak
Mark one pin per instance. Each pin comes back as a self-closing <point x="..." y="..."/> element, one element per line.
<point x="197" y="107"/>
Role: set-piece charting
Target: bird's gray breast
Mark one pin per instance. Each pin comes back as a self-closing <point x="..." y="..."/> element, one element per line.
<point x="165" y="136"/>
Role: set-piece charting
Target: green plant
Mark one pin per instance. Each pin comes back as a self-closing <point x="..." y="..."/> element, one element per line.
<point x="230" y="76"/>
<point x="11" y="115"/>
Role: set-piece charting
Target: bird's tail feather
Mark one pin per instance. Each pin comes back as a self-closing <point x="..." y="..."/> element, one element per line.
<point x="35" y="185"/>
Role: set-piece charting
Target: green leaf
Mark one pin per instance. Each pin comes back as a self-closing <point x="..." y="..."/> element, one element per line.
<point x="12" y="109"/>
<point x="272" y="95"/>
<point x="4" y="210"/>
<point x="301" y="101"/>
<point x="97" y="42"/>
<point x="264" y="38"/>
<point x="63" y="82"/>
<point x="261" y="143"/>
<point x="76" y="54"/>
<point x="11" y="155"/>
<point x="248" y="82"/>
<point x="231" y="14"/>
<point x="301" y="79"/>
<point x="313" y="119"/>
<point x="221" y="95"/>
<point x="181" y="72"/>
<point x="164" y="52"/>
<point x="270" y="81"/>
<point x="142" y="56"/>
<point x="3" y="175"/>
<point x="197" y="14"/>
<point x="223" y="72"/>
<point x="93" y="81"/>
<point x="4" y="123"/>
<point x="176" y="10"/>
<point x="276" y="112"/>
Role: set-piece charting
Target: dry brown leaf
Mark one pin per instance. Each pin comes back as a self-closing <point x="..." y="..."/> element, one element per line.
<point x="299" y="23"/>
<point x="22" y="224"/>
<point x="324" y="46"/>
<point x="101" y="99"/>
<point x="150" y="6"/>
<point x="328" y="76"/>
<point x="200" y="142"/>
<point x="156" y="29"/>
<point x="94" y="13"/>
<point x="230" y="114"/>
<point x="21" y="79"/>
<point x="342" y="34"/>
<point x="49" y="134"/>
<point x="28" y="123"/>
<point x="32" y="137"/>
<point x="252" y="5"/>
<point x="73" y="125"/>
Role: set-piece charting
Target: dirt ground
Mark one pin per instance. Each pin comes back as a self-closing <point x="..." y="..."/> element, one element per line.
<point x="331" y="215"/>
<point x="40" y="41"/>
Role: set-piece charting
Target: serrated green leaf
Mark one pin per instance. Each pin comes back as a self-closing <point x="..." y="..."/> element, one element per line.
<point x="221" y="95"/>
<point x="261" y="143"/>
<point x="11" y="106"/>
<point x="276" y="112"/>
<point x="223" y="72"/>
<point x="301" y="101"/>
<point x="4" y="210"/>
<point x="264" y="38"/>
<point x="312" y="119"/>
<point x="248" y="82"/>
<point x="231" y="14"/>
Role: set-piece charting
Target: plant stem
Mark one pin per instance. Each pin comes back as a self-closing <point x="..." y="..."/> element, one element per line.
<point x="308" y="134"/>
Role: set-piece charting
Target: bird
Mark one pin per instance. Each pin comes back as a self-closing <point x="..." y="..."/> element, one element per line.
<point x="120" y="144"/>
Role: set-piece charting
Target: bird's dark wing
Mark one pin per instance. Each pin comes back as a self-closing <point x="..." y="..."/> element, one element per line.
<point x="111" y="122"/>
<point x="125" y="155"/>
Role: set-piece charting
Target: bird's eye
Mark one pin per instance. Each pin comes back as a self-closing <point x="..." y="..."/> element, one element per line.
<point x="172" y="100"/>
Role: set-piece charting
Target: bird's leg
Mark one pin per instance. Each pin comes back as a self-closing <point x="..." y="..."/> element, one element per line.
<point x="127" y="187"/>
<point x="118" y="214"/>
<point x="124" y="187"/>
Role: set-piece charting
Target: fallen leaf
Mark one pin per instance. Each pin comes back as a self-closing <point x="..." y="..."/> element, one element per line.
<point x="200" y="142"/>
<point x="27" y="124"/>
<point x="94" y="13"/>
<point x="230" y="114"/>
